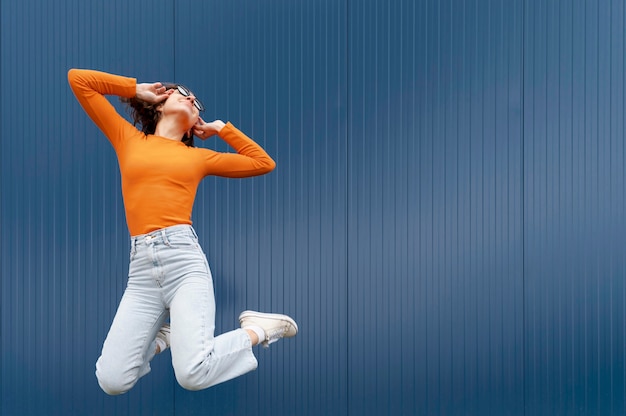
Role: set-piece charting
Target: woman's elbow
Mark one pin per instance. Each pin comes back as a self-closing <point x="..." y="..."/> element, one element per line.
<point x="270" y="165"/>
<point x="263" y="166"/>
<point x="71" y="75"/>
<point x="75" y="76"/>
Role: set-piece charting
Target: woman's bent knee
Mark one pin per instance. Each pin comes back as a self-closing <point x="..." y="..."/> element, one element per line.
<point x="196" y="377"/>
<point x="114" y="382"/>
<point x="114" y="387"/>
<point x="189" y="382"/>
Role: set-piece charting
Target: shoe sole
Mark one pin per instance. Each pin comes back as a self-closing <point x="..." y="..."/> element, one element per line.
<point x="275" y="316"/>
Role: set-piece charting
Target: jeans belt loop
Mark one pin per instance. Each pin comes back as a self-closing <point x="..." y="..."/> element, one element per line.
<point x="164" y="236"/>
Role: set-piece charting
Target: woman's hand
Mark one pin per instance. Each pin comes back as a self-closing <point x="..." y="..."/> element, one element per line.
<point x="152" y="93"/>
<point x="204" y="130"/>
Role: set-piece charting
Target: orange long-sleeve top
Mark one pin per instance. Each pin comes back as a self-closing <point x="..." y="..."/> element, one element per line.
<point x="160" y="176"/>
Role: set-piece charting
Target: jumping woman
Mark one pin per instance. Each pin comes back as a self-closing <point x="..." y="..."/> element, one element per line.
<point x="169" y="276"/>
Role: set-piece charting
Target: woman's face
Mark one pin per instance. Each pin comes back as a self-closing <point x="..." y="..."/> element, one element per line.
<point x="184" y="107"/>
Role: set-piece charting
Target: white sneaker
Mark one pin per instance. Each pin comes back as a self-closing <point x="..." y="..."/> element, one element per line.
<point x="276" y="326"/>
<point x="163" y="337"/>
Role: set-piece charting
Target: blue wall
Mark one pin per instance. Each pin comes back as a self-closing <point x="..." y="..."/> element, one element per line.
<point x="446" y="221"/>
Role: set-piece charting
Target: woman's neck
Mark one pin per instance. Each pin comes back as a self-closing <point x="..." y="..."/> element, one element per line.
<point x="169" y="129"/>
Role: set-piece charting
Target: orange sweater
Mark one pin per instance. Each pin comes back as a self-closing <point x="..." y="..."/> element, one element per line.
<point x="160" y="176"/>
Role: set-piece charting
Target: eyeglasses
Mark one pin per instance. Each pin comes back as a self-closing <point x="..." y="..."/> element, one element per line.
<point x="184" y="91"/>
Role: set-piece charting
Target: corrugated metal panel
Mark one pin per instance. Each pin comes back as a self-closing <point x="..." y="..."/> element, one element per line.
<point x="445" y="222"/>
<point x="435" y="224"/>
<point x="574" y="208"/>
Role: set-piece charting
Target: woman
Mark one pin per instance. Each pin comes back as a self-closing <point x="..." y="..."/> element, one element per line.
<point x="168" y="274"/>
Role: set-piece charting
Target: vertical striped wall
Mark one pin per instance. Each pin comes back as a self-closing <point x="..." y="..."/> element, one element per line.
<point x="435" y="276"/>
<point x="446" y="220"/>
<point x="574" y="240"/>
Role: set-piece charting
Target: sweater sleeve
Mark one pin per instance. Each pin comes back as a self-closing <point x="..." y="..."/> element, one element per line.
<point x="90" y="88"/>
<point x="250" y="159"/>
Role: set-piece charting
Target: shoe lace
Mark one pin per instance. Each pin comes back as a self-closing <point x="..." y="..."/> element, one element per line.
<point x="276" y="333"/>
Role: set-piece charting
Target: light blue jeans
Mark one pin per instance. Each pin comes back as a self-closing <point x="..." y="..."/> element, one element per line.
<point x="170" y="276"/>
